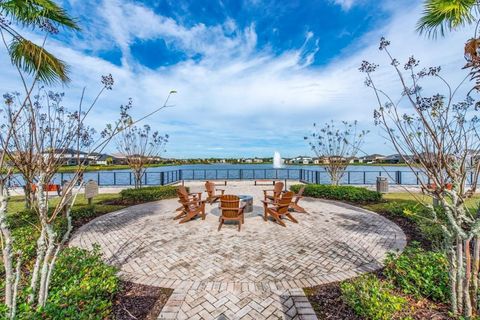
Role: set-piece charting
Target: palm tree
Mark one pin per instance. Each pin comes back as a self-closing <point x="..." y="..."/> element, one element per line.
<point x="440" y="16"/>
<point x="26" y="55"/>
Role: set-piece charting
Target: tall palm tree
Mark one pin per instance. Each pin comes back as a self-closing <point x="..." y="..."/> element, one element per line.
<point x="28" y="56"/>
<point x="440" y="16"/>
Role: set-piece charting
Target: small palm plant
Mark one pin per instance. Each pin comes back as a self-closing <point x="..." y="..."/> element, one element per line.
<point x="440" y="16"/>
<point x="27" y="56"/>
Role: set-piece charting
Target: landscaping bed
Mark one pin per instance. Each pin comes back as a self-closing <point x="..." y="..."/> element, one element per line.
<point x="137" y="301"/>
<point x="411" y="286"/>
<point x="82" y="284"/>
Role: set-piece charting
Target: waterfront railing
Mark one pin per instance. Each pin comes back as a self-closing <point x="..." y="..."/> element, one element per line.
<point x="309" y="176"/>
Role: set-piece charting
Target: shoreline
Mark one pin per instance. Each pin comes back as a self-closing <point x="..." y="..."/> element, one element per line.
<point x="95" y="168"/>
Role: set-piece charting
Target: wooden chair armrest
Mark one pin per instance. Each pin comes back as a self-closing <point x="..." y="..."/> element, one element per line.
<point x="193" y="201"/>
<point x="269" y="203"/>
<point x="194" y="193"/>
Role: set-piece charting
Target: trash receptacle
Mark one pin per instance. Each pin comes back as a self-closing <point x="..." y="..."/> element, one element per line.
<point x="382" y="184"/>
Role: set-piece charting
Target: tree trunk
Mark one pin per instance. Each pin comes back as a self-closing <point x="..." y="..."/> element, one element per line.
<point x="460" y="272"/>
<point x="476" y="267"/>
<point x="466" y="284"/>
<point x="42" y="292"/>
<point x="7" y="248"/>
<point x="138" y="178"/>
<point x="40" y="254"/>
<point x="29" y="196"/>
<point x="452" y="257"/>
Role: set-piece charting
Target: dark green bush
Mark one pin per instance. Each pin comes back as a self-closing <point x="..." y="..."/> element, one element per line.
<point x="82" y="286"/>
<point x="372" y="298"/>
<point x="83" y="212"/>
<point x="148" y="194"/>
<point x="343" y="193"/>
<point x="420" y="273"/>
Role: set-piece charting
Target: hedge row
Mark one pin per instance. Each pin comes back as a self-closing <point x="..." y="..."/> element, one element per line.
<point x="147" y="194"/>
<point x="343" y="193"/>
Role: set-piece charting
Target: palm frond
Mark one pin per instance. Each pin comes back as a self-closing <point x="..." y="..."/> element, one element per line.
<point x="35" y="12"/>
<point x="440" y="16"/>
<point x="32" y="58"/>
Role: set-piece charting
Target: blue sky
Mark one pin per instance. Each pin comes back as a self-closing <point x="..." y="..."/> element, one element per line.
<point x="252" y="75"/>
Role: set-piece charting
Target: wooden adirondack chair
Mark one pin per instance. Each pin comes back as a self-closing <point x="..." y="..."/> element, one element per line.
<point x="231" y="210"/>
<point x="279" y="209"/>
<point x="212" y="196"/>
<point x="296" y="198"/>
<point x="275" y="193"/>
<point x="191" y="208"/>
<point x="191" y="196"/>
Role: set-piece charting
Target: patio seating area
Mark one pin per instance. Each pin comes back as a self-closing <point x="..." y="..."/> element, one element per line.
<point x="257" y="273"/>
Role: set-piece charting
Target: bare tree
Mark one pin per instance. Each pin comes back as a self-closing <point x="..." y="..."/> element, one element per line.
<point x="54" y="131"/>
<point x="336" y="145"/>
<point x="36" y="132"/>
<point x="140" y="145"/>
<point x="441" y="132"/>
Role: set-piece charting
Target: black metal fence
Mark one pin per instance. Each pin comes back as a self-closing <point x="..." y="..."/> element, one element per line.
<point x="150" y="178"/>
<point x="316" y="176"/>
<point x="364" y="177"/>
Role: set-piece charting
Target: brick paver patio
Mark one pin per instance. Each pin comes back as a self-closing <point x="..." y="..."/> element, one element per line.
<point x="257" y="273"/>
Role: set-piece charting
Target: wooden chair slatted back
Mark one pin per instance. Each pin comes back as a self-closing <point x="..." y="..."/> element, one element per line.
<point x="278" y="188"/>
<point x="183" y="199"/>
<point x="182" y="190"/>
<point x="210" y="187"/>
<point x="284" y="202"/>
<point x="230" y="201"/>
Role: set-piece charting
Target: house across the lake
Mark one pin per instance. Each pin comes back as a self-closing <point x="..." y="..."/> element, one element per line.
<point x="373" y="158"/>
<point x="301" y="160"/>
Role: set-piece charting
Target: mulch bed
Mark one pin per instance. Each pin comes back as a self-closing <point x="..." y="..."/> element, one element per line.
<point x="327" y="300"/>
<point x="328" y="304"/>
<point x="411" y="230"/>
<point x="136" y="301"/>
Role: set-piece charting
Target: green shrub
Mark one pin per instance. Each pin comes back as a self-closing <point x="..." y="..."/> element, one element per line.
<point x="418" y="214"/>
<point x="148" y="194"/>
<point x="82" y="286"/>
<point x="345" y="193"/>
<point x="83" y="212"/>
<point x="371" y="298"/>
<point x="420" y="273"/>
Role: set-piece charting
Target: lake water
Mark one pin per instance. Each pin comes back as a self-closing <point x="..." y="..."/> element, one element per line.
<point x="169" y="174"/>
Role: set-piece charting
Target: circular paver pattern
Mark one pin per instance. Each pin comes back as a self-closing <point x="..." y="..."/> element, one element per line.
<point x="331" y="242"/>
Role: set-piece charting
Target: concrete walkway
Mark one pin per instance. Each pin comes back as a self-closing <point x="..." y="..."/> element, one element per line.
<point x="257" y="273"/>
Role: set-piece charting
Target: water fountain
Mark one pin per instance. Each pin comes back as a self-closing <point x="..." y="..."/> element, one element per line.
<point x="277" y="160"/>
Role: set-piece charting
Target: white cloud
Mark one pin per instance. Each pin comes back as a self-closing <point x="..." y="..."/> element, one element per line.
<point x="238" y="99"/>
<point x="345" y="4"/>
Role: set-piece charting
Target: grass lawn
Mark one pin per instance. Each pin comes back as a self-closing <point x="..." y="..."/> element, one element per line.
<point x="16" y="203"/>
<point x="405" y="198"/>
